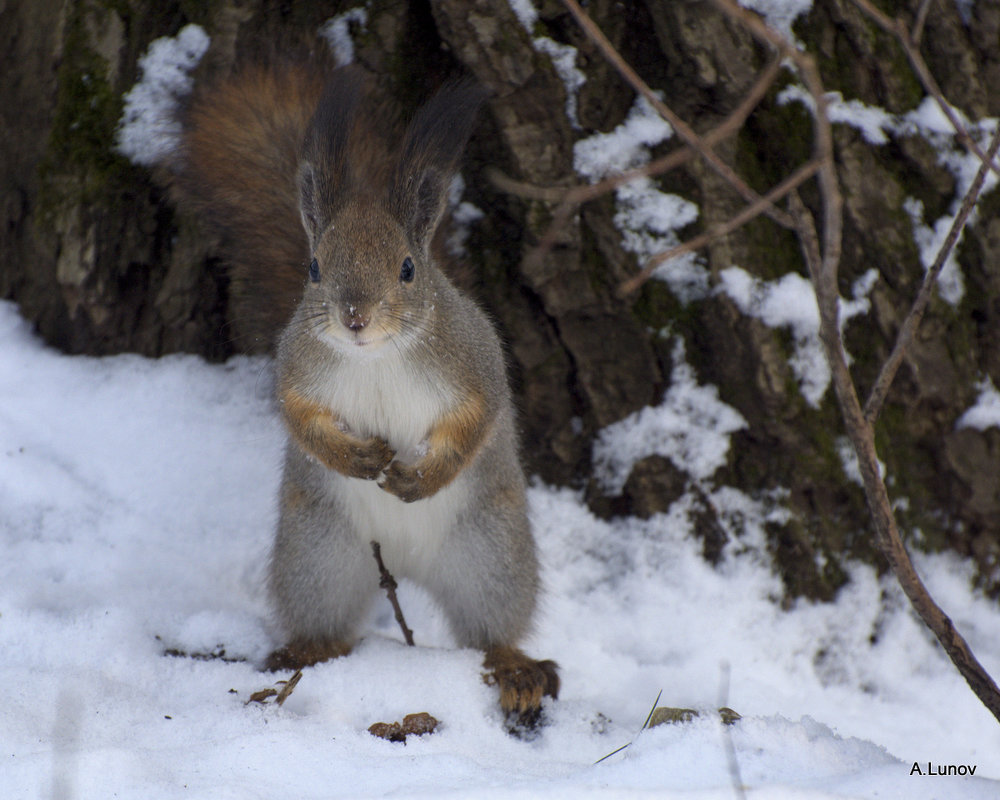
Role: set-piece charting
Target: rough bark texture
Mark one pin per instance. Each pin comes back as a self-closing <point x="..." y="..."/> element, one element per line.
<point x="96" y="256"/>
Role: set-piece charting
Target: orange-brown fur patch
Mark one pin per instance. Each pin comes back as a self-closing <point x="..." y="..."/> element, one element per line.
<point x="453" y="441"/>
<point x="315" y="429"/>
<point x="456" y="439"/>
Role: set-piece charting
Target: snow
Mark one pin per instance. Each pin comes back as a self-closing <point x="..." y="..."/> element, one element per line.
<point x="849" y="461"/>
<point x="462" y="216"/>
<point x="950" y="283"/>
<point x="871" y="122"/>
<point x="149" y="130"/>
<point x="779" y="14"/>
<point x="790" y="302"/>
<point x="137" y="499"/>
<point x="337" y="32"/>
<point x="985" y="412"/>
<point x="646" y="217"/>
<point x="691" y="427"/>
<point x="928" y="121"/>
<point x="563" y="56"/>
<point x="525" y="12"/>
<point x="624" y="147"/>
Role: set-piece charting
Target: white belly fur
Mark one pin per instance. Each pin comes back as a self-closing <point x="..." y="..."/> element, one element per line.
<point x="410" y="534"/>
<point x="380" y="394"/>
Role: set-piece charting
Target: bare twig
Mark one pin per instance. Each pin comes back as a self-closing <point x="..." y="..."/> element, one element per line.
<point x="823" y="134"/>
<point x="387" y="582"/>
<point x="918" y="23"/>
<point x="822" y="262"/>
<point x="889" y="541"/>
<point x="683" y="130"/>
<point x="911" y="48"/>
<point x="576" y="195"/>
<point x="909" y="327"/>
<point x="288" y="688"/>
<point x="748" y="213"/>
<point x="529" y="191"/>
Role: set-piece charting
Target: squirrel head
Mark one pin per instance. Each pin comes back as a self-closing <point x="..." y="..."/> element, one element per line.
<point x="370" y="207"/>
<point x="367" y="282"/>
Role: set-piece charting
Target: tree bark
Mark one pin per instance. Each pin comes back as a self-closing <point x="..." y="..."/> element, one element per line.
<point x="98" y="259"/>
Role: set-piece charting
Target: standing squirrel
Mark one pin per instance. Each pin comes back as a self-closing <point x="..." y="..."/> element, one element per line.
<point x="391" y="382"/>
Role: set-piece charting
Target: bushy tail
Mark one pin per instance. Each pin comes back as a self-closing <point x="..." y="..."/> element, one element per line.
<point x="237" y="172"/>
<point x="281" y="146"/>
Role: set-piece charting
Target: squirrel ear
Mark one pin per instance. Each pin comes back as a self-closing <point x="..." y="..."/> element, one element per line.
<point x="429" y="156"/>
<point x="326" y="169"/>
<point x="310" y="205"/>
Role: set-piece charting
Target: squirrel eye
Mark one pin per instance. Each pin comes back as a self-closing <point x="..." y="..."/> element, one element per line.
<point x="407" y="270"/>
<point x="314" y="271"/>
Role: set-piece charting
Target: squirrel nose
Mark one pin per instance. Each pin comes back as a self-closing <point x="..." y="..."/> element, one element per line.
<point x="354" y="319"/>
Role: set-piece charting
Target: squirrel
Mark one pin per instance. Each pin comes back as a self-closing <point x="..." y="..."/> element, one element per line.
<point x="391" y="382"/>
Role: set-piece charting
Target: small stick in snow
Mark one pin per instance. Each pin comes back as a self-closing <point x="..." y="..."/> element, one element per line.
<point x="387" y="582"/>
<point x="289" y="687"/>
<point x="280" y="696"/>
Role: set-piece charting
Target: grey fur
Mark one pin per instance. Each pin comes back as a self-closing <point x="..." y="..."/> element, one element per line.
<point x="469" y="543"/>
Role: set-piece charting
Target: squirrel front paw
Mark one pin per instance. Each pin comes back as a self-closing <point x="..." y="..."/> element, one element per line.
<point x="407" y="482"/>
<point x="367" y="458"/>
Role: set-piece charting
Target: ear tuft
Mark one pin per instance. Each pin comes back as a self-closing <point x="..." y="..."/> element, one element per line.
<point x="326" y="169"/>
<point x="313" y="219"/>
<point x="429" y="156"/>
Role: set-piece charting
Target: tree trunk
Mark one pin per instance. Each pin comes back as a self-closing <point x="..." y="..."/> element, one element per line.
<point x="98" y="259"/>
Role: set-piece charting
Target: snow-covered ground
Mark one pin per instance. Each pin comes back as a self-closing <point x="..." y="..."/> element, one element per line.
<point x="136" y="505"/>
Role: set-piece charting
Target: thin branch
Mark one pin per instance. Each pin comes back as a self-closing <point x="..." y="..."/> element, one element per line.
<point x="580" y="194"/>
<point x="649" y="716"/>
<point x="683" y="130"/>
<point x="823" y="133"/>
<point x="931" y="85"/>
<point x="528" y="191"/>
<point x="750" y="212"/>
<point x="288" y="688"/>
<point x="918" y="24"/>
<point x="909" y="328"/>
<point x="823" y="263"/>
<point x="887" y="537"/>
<point x="912" y="50"/>
<point x="387" y="582"/>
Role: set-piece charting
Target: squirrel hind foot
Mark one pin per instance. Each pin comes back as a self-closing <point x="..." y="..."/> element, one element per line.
<point x="300" y="653"/>
<point x="523" y="682"/>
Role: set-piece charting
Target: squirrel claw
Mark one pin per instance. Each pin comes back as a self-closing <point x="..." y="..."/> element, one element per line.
<point x="370" y="458"/>
<point x="523" y="682"/>
<point x="405" y="482"/>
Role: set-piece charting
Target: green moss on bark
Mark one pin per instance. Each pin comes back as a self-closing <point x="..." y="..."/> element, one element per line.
<point x="80" y="165"/>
